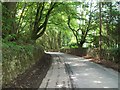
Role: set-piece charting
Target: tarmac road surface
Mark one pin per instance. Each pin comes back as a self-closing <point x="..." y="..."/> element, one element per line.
<point x="69" y="71"/>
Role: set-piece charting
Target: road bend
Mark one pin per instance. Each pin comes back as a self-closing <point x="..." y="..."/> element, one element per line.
<point x="69" y="71"/>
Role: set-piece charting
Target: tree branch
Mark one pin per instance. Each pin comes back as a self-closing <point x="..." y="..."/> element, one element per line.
<point x="36" y="17"/>
<point x="89" y="22"/>
<point x="73" y="30"/>
<point x="43" y="26"/>
<point x="69" y="24"/>
<point x="41" y="11"/>
<point x="21" y="16"/>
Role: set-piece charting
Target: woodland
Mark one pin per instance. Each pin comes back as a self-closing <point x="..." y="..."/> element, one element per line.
<point x="31" y="28"/>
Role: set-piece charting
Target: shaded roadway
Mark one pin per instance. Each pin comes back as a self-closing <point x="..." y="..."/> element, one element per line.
<point x="69" y="71"/>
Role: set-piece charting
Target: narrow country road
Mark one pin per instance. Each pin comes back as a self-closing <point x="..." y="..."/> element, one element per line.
<point x="69" y="71"/>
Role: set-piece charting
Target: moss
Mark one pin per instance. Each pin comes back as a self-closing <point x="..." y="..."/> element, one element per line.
<point x="17" y="58"/>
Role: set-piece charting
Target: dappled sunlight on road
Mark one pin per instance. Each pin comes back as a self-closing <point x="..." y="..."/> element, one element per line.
<point x="60" y="85"/>
<point x="55" y="53"/>
<point x="105" y="87"/>
<point x="73" y="71"/>
<point x="97" y="81"/>
<point x="90" y="74"/>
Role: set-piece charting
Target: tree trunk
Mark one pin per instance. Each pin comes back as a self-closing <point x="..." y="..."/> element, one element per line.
<point x="39" y="30"/>
<point x="59" y="40"/>
<point x="81" y="43"/>
<point x="100" y="32"/>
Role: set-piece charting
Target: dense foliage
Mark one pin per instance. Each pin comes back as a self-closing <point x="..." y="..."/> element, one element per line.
<point x="18" y="58"/>
<point x="53" y="26"/>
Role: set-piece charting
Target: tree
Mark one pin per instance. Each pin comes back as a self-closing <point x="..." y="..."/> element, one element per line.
<point x="40" y="27"/>
<point x="9" y="23"/>
<point x="100" y="43"/>
<point x="83" y="28"/>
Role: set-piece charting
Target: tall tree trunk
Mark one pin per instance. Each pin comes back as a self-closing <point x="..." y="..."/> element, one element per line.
<point x="59" y="40"/>
<point x="100" y="32"/>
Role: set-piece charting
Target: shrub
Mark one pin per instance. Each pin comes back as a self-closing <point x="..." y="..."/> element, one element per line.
<point x="17" y="58"/>
<point x="107" y="54"/>
<point x="73" y="45"/>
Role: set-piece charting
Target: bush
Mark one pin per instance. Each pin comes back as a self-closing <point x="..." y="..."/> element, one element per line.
<point x="16" y="59"/>
<point x="115" y="52"/>
<point x="107" y="54"/>
<point x="73" y="45"/>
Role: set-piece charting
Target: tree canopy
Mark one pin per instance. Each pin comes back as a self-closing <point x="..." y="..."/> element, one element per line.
<point x="55" y="25"/>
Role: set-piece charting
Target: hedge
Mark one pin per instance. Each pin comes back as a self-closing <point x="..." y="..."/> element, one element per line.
<point x="17" y="58"/>
<point x="107" y="54"/>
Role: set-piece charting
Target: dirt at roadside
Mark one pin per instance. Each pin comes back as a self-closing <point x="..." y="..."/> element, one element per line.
<point x="33" y="77"/>
<point x="106" y="63"/>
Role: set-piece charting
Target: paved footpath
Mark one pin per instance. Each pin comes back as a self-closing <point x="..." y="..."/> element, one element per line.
<point x="69" y="71"/>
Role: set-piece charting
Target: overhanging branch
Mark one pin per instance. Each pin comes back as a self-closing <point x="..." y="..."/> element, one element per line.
<point x="42" y="28"/>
